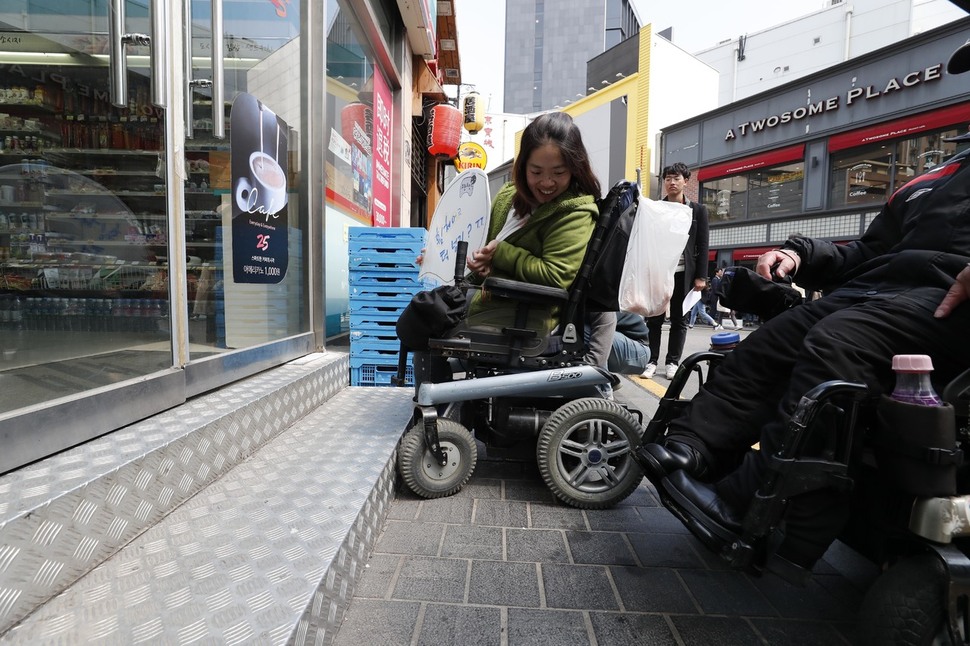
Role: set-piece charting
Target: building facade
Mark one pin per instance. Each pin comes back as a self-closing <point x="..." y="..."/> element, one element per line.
<point x="548" y="44"/>
<point x="752" y="63"/>
<point x="819" y="156"/>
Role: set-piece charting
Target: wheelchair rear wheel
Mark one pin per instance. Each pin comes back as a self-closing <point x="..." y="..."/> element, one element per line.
<point x="905" y="604"/>
<point x="422" y="473"/>
<point x="585" y="453"/>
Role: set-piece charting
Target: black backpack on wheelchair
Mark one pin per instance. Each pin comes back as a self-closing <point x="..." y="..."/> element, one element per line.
<point x="521" y="392"/>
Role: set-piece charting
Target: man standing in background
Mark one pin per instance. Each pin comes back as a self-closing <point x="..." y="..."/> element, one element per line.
<point x="691" y="274"/>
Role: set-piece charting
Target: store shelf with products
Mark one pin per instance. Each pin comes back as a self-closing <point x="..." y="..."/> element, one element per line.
<point x="83" y="220"/>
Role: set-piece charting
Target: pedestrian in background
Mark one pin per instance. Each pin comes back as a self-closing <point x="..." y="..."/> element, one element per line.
<point x="691" y="273"/>
<point x="699" y="310"/>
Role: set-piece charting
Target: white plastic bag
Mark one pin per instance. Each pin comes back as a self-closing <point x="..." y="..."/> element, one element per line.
<point x="657" y="241"/>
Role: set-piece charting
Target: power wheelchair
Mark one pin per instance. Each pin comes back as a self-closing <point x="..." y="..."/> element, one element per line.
<point x="521" y="393"/>
<point x="911" y="527"/>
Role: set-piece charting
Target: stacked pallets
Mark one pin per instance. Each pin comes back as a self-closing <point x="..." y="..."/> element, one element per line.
<point x="383" y="278"/>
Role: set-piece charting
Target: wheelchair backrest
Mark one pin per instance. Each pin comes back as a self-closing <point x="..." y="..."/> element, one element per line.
<point x="596" y="287"/>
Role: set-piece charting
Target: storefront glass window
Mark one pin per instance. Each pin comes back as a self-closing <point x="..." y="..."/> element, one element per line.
<point x="85" y="280"/>
<point x="776" y="191"/>
<point x="726" y="198"/>
<point x="766" y="192"/>
<point x="244" y="239"/>
<point x="358" y="189"/>
<point x="918" y="155"/>
<point x="861" y="176"/>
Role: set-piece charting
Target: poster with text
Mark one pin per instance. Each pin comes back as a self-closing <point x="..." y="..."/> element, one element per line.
<point x="382" y="152"/>
<point x="259" y="171"/>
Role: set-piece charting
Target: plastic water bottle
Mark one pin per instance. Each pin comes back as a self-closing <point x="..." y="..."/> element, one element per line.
<point x="913" y="380"/>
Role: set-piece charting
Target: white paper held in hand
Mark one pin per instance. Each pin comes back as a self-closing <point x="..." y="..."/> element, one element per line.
<point x="690" y="300"/>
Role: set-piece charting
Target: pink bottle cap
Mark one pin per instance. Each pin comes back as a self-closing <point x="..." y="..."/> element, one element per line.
<point x="912" y="363"/>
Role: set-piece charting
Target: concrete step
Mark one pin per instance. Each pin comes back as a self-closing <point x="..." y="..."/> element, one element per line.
<point x="241" y="516"/>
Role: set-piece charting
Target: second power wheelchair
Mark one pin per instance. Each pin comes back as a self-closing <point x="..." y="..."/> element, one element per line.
<point x="523" y="393"/>
<point x="903" y="470"/>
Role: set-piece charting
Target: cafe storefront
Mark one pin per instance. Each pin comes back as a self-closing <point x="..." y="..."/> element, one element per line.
<point x="177" y="178"/>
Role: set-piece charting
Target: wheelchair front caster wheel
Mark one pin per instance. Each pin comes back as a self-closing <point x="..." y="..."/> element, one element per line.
<point x="585" y="453"/>
<point x="422" y="473"/>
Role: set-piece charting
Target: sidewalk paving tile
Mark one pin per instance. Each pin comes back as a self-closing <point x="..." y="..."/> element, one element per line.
<point x="447" y="624"/>
<point x="578" y="586"/>
<point x="462" y="541"/>
<point x="544" y="545"/>
<point x="430" y="579"/>
<point x="500" y="583"/>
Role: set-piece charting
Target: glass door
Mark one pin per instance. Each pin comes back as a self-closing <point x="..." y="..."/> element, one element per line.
<point x="245" y="217"/>
<point x="84" y="273"/>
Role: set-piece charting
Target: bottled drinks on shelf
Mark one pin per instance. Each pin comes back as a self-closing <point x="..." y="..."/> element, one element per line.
<point x="913" y="384"/>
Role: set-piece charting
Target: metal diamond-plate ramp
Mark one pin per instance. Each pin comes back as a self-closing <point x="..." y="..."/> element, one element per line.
<point x="61" y="517"/>
<point x="267" y="554"/>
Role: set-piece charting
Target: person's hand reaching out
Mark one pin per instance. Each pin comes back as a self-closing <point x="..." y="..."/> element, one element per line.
<point x="787" y="262"/>
<point x="959" y="292"/>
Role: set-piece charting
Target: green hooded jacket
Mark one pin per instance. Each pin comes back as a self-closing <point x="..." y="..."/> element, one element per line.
<point x="548" y="250"/>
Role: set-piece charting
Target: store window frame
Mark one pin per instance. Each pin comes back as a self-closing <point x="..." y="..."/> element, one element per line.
<point x="44" y="429"/>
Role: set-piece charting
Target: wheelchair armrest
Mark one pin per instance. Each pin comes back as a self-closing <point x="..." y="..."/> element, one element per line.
<point x="506" y="288"/>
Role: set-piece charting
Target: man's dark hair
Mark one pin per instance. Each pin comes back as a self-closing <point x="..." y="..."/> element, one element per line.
<point x="678" y="168"/>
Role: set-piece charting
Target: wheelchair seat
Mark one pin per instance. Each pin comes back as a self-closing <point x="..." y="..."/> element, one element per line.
<point x="519" y="346"/>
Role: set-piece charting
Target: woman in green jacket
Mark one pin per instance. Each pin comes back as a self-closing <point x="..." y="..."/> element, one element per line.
<point x="541" y="222"/>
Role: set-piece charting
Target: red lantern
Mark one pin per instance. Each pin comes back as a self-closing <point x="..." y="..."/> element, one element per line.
<point x="444" y="131"/>
<point x="361" y="115"/>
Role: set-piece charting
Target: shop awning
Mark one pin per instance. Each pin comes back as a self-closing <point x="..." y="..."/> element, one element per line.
<point x="762" y="160"/>
<point x="905" y="127"/>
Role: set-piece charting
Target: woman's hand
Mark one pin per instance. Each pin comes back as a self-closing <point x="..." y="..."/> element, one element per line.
<point x="786" y="259"/>
<point x="959" y="292"/>
<point x="480" y="261"/>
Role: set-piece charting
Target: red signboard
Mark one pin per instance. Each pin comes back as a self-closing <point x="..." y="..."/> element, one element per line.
<point x="381" y="209"/>
<point x="905" y="127"/>
<point x="751" y="253"/>
<point x="735" y="166"/>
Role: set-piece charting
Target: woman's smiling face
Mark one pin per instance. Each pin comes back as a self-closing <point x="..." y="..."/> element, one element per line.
<point x="547" y="173"/>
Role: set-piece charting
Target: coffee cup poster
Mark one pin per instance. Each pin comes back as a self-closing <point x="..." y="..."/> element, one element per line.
<point x="258" y="149"/>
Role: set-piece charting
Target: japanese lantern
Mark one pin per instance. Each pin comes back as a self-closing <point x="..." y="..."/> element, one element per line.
<point x="444" y="131"/>
<point x="474" y="112"/>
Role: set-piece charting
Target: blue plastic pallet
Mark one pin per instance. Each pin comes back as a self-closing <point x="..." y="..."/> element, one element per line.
<point x="396" y="262"/>
<point x="379" y="308"/>
<point x="369" y="278"/>
<point x="385" y="246"/>
<point x="365" y="305"/>
<point x="382" y="291"/>
<point x="374" y="328"/>
<point x="370" y="334"/>
<point x="373" y="354"/>
<point x="373" y="318"/>
<point x="375" y="348"/>
<point x="356" y="234"/>
<point x="378" y="375"/>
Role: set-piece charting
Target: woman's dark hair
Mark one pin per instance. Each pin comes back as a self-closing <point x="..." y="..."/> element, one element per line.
<point x="553" y="128"/>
